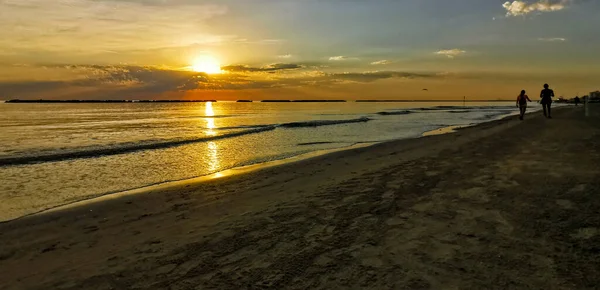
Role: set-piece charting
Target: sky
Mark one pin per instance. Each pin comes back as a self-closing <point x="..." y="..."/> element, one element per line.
<point x="297" y="49"/>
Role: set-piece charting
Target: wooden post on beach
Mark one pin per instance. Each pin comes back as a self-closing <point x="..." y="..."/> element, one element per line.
<point x="464" y="101"/>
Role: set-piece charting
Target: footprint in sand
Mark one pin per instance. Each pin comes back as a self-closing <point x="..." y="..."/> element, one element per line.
<point x="585" y="233"/>
<point x="566" y="204"/>
<point x="477" y="194"/>
<point x="432" y="173"/>
<point x="395" y="221"/>
<point x="577" y="188"/>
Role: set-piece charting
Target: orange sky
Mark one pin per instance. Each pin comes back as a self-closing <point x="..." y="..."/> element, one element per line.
<point x="144" y="49"/>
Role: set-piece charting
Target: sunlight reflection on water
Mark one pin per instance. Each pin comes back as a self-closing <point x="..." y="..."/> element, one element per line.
<point x="213" y="156"/>
<point x="210" y="122"/>
<point x="47" y="128"/>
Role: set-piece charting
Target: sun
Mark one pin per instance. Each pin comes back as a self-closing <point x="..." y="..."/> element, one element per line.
<point x="206" y="64"/>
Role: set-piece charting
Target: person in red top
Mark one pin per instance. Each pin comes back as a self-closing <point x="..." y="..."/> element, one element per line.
<point x="522" y="100"/>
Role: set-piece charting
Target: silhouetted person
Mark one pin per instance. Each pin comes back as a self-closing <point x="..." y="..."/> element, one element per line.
<point x="522" y="100"/>
<point x="547" y="95"/>
<point x="577" y="101"/>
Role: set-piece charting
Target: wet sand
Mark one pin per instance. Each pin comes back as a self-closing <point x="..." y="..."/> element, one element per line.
<point x="502" y="205"/>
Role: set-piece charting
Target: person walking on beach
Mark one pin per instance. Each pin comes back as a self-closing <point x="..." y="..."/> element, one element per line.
<point x="522" y="100"/>
<point x="547" y="95"/>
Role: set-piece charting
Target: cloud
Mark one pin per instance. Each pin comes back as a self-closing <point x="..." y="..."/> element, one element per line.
<point x="342" y="58"/>
<point x="269" y="68"/>
<point x="98" y="25"/>
<point x="145" y="82"/>
<point x="285" y="56"/>
<point x="520" y="8"/>
<point x="124" y="81"/>
<point x="366" y="77"/>
<point x="552" y="39"/>
<point x="451" y="53"/>
<point x="130" y="82"/>
<point x="381" y="62"/>
<point x="272" y="41"/>
<point x="338" y="58"/>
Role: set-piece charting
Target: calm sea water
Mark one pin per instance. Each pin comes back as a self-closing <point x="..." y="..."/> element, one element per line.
<point x="55" y="154"/>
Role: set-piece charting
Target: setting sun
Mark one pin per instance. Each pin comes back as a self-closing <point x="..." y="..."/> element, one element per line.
<point x="206" y="64"/>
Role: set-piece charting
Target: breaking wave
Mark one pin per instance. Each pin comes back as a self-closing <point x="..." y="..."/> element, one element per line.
<point x="405" y="112"/>
<point x="318" y="123"/>
<point x="128" y="148"/>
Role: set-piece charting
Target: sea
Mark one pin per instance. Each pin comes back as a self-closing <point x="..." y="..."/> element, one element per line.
<point x="54" y="154"/>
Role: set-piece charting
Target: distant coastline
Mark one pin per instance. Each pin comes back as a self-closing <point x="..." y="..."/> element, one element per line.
<point x="16" y="101"/>
<point x="303" y="101"/>
<point x="109" y="101"/>
<point x="428" y="101"/>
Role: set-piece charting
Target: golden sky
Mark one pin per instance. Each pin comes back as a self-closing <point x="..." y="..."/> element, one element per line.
<point x="296" y="49"/>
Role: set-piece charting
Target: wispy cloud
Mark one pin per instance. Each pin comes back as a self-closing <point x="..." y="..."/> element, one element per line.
<point x="343" y="58"/>
<point x="104" y="24"/>
<point x="381" y="62"/>
<point x="338" y="58"/>
<point x="451" y="53"/>
<point x="285" y="56"/>
<point x="268" y="68"/>
<point x="552" y="39"/>
<point x="366" y="77"/>
<point x="108" y="81"/>
<point x="98" y="81"/>
<point x="520" y="8"/>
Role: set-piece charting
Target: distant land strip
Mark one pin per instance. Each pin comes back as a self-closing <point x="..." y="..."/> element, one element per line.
<point x="303" y="101"/>
<point x="110" y="101"/>
<point x="243" y="101"/>
<point x="436" y="101"/>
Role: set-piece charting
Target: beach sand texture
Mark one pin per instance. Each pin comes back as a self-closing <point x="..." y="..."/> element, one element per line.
<point x="502" y="205"/>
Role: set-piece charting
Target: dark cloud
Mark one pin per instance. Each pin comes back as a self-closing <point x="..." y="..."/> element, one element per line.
<point x="18" y="88"/>
<point x="125" y="79"/>
<point x="129" y="81"/>
<point x="378" y="75"/>
<point x="269" y="68"/>
<point x="156" y="78"/>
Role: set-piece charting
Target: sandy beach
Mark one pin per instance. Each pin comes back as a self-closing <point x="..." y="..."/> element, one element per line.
<point x="502" y="205"/>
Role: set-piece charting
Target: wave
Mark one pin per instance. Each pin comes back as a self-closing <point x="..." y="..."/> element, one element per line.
<point x="96" y="152"/>
<point x="129" y="147"/>
<point x="208" y="117"/>
<point x="491" y="116"/>
<point x="333" y="114"/>
<point x="449" y="107"/>
<point x="405" y="112"/>
<point x="318" y="123"/>
<point x="301" y="124"/>
<point x="315" y="143"/>
<point x="244" y="127"/>
<point x="461" y="109"/>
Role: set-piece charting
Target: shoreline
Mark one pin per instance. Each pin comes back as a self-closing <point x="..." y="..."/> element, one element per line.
<point x="235" y="171"/>
<point x="505" y="204"/>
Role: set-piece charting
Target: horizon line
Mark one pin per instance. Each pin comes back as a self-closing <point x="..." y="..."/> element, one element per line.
<point x="243" y="100"/>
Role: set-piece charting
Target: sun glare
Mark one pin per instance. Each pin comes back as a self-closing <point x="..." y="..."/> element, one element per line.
<point x="206" y="64"/>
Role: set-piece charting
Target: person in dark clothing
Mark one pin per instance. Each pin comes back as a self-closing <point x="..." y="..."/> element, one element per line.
<point x="547" y="95"/>
<point x="577" y="101"/>
<point x="522" y="100"/>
